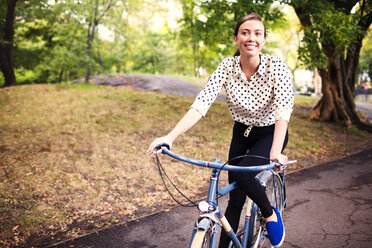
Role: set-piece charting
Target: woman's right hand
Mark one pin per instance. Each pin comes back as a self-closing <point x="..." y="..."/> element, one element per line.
<point x="158" y="141"/>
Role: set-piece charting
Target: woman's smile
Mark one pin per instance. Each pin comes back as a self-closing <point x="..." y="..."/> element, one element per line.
<point x="251" y="46"/>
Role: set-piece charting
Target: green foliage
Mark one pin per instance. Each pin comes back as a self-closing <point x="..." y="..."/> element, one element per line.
<point x="153" y="53"/>
<point x="208" y="27"/>
<point x="68" y="57"/>
<point x="2" y="80"/>
<point x="328" y="26"/>
<point x="365" y="60"/>
<point x="222" y="16"/>
<point x="27" y="75"/>
<point x="310" y="52"/>
<point x="52" y="47"/>
<point x="51" y="39"/>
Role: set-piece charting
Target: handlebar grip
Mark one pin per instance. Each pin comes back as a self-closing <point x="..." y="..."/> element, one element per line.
<point x="158" y="147"/>
<point x="291" y="162"/>
<point x="285" y="164"/>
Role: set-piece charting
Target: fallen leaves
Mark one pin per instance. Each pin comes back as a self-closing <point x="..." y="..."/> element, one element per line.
<point x="73" y="161"/>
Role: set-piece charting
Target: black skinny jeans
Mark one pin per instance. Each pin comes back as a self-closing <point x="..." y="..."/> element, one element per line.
<point x="259" y="143"/>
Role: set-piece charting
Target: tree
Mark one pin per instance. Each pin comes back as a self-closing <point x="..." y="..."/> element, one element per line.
<point x="152" y="53"/>
<point x="6" y="42"/>
<point x="286" y="40"/>
<point x="207" y="26"/>
<point x="28" y="22"/>
<point x="193" y="32"/>
<point x="365" y="61"/>
<point x="124" y="36"/>
<point x="93" y="18"/>
<point x="90" y="14"/>
<point x="65" y="58"/>
<point x="333" y="34"/>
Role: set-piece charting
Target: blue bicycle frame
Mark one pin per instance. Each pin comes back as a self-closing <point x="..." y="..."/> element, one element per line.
<point x="207" y="218"/>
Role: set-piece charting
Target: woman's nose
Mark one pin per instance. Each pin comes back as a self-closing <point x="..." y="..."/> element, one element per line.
<point x="250" y="37"/>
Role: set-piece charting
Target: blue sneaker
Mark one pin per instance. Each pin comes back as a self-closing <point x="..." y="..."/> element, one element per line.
<point x="276" y="230"/>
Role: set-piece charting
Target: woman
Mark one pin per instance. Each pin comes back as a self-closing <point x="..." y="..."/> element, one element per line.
<point x="260" y="99"/>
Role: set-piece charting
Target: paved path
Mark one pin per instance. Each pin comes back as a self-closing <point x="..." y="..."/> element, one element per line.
<point x="178" y="87"/>
<point x="365" y="107"/>
<point x="330" y="205"/>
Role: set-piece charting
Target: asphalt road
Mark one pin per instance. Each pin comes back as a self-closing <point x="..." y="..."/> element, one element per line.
<point x="365" y="107"/>
<point x="329" y="205"/>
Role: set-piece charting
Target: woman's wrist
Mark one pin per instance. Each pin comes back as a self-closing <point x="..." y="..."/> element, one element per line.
<point x="171" y="137"/>
<point x="274" y="151"/>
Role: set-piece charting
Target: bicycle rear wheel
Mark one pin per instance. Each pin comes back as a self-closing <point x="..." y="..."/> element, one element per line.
<point x="202" y="238"/>
<point x="273" y="188"/>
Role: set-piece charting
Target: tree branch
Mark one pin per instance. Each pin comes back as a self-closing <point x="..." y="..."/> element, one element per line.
<point x="107" y="9"/>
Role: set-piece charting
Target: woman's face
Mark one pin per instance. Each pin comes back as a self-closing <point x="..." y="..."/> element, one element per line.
<point x="250" y="38"/>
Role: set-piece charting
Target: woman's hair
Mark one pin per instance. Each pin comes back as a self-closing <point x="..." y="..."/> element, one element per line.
<point x="251" y="16"/>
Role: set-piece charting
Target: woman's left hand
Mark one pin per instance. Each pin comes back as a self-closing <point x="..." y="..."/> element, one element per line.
<point x="279" y="158"/>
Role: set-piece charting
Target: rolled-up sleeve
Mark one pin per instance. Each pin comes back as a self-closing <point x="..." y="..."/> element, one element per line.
<point x="210" y="92"/>
<point x="283" y="93"/>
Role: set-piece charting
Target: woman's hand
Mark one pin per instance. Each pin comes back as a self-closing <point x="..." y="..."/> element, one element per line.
<point x="278" y="157"/>
<point x="165" y="139"/>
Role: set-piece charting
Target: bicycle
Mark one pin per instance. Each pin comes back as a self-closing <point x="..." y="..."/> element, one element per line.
<point x="211" y="217"/>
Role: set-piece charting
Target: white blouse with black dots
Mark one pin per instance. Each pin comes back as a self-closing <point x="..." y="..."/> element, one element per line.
<point x="260" y="101"/>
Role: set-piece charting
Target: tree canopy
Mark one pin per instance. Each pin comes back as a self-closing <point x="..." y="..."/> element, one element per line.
<point x="55" y="41"/>
<point x="333" y="34"/>
<point x="64" y="40"/>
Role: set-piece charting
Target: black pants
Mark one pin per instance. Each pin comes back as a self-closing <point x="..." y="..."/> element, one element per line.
<point x="259" y="143"/>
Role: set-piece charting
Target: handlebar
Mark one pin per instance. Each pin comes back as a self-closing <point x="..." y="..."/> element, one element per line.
<point x="165" y="150"/>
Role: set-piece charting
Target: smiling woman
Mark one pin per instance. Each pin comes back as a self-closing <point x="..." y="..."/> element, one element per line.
<point x="260" y="99"/>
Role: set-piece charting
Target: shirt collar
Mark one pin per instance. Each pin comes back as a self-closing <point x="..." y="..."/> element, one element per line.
<point x="261" y="67"/>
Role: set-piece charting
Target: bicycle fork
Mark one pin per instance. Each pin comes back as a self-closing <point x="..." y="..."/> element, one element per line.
<point x="207" y="219"/>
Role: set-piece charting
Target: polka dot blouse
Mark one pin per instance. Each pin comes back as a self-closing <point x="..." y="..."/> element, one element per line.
<point x="260" y="101"/>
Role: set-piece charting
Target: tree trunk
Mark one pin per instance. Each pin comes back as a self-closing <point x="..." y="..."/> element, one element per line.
<point x="91" y="30"/>
<point x="89" y="52"/>
<point x="337" y="102"/>
<point x="194" y="48"/>
<point x="101" y="61"/>
<point x="6" y="64"/>
<point x="6" y="58"/>
<point x="338" y="79"/>
<point x="60" y="78"/>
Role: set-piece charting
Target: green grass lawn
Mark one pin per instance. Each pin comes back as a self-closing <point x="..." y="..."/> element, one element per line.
<point x="73" y="157"/>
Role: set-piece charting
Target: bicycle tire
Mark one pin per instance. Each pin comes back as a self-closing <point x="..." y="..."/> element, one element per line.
<point x="276" y="197"/>
<point x="202" y="238"/>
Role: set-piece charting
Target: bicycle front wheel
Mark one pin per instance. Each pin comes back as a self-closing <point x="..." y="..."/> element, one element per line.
<point x="202" y="239"/>
<point x="274" y="192"/>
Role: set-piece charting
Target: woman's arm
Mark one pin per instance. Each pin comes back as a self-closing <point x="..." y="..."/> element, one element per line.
<point x="188" y="120"/>
<point x="278" y="141"/>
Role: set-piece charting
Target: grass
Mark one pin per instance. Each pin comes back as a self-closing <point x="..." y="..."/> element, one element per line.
<point x="73" y="159"/>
